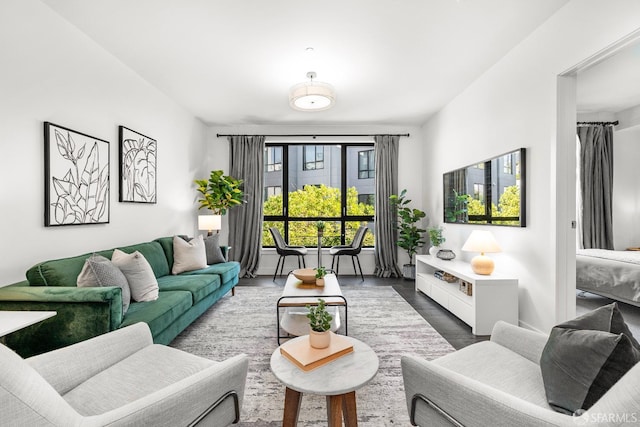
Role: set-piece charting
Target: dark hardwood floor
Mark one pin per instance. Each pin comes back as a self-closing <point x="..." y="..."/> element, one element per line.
<point x="455" y="331"/>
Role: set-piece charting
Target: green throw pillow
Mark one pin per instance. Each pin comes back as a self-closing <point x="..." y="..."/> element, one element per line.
<point x="585" y="357"/>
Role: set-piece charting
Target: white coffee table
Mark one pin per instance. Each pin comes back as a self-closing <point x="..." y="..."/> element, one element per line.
<point x="338" y="380"/>
<point x="11" y="321"/>
<point x="296" y="295"/>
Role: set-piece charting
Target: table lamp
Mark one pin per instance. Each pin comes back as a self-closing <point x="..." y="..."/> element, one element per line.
<point x="481" y="241"/>
<point x="209" y="223"/>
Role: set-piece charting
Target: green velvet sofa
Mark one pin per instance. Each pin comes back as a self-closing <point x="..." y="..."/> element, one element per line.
<point x="83" y="313"/>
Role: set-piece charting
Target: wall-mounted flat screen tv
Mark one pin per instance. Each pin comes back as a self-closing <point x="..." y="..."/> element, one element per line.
<point x="488" y="192"/>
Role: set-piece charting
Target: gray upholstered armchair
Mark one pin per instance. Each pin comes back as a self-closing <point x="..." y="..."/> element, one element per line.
<point x="499" y="383"/>
<point x="117" y="379"/>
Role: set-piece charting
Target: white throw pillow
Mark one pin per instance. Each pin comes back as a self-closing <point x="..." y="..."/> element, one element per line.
<point x="139" y="274"/>
<point x="188" y="256"/>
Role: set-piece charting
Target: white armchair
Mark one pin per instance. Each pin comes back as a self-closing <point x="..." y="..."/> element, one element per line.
<point x="120" y="379"/>
<point x="499" y="383"/>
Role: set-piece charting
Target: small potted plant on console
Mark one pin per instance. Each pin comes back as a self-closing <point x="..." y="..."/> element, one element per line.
<point x="320" y="227"/>
<point x="319" y="325"/>
<point x="320" y="273"/>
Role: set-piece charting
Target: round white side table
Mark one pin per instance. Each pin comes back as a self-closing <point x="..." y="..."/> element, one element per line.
<point x="338" y="380"/>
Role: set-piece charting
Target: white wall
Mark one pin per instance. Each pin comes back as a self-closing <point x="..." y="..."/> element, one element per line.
<point x="410" y="177"/>
<point x="626" y="191"/>
<point x="515" y="104"/>
<point x="52" y="72"/>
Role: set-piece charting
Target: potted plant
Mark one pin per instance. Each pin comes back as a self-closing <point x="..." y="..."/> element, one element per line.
<point x="320" y="273"/>
<point x="319" y="325"/>
<point x="409" y="234"/>
<point x="320" y="227"/>
<point x="220" y="193"/>
<point x="436" y="237"/>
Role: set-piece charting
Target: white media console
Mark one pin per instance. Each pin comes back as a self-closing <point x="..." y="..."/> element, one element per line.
<point x="490" y="298"/>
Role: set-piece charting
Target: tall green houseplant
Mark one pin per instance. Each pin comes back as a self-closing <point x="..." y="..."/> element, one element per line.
<point x="220" y="193"/>
<point x="409" y="234"/>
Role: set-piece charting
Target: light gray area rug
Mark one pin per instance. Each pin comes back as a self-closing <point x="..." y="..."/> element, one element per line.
<point x="246" y="323"/>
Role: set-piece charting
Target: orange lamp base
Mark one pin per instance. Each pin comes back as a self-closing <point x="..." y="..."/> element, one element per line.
<point x="482" y="264"/>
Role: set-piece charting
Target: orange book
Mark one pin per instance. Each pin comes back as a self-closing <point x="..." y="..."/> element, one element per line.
<point x="305" y="357"/>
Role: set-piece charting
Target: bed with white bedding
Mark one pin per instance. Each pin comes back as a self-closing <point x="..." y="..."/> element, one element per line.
<point x="613" y="274"/>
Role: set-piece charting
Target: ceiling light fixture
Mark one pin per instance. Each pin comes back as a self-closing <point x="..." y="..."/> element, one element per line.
<point x="312" y="95"/>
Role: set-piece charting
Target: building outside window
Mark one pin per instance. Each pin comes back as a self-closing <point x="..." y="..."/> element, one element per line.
<point x="313" y="157"/>
<point x="366" y="164"/>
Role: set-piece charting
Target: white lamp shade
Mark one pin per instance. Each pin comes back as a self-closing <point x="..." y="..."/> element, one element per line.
<point x="481" y="241"/>
<point x="312" y="96"/>
<point x="209" y="222"/>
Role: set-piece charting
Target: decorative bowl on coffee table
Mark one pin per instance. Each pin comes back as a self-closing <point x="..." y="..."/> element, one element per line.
<point x="307" y="275"/>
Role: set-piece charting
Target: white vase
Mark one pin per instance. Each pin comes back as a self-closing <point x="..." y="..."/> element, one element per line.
<point x="319" y="339"/>
<point x="433" y="250"/>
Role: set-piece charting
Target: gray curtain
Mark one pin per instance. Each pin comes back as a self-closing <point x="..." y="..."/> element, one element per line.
<point x="386" y="253"/>
<point x="245" y="222"/>
<point x="596" y="185"/>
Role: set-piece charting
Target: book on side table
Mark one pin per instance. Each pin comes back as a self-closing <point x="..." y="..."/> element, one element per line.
<point x="305" y="357"/>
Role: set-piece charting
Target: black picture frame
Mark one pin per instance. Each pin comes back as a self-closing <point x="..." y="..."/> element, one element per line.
<point x="137" y="166"/>
<point x="76" y="177"/>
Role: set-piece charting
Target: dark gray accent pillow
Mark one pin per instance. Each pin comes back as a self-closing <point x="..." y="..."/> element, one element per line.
<point x="214" y="253"/>
<point x="99" y="271"/>
<point x="585" y="357"/>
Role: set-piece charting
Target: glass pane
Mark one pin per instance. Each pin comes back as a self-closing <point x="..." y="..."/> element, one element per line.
<point x="305" y="233"/>
<point x="267" y="238"/>
<point x="360" y="182"/>
<point x="352" y="227"/>
<point x="314" y="192"/>
<point x="272" y="186"/>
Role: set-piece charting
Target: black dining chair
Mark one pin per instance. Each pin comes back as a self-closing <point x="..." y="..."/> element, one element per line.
<point x="352" y="250"/>
<point x="285" y="250"/>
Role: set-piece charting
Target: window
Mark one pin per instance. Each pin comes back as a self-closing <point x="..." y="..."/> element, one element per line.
<point x="272" y="159"/>
<point x="367" y="199"/>
<point x="478" y="192"/>
<point x="333" y="194"/>
<point x="366" y="164"/>
<point x="274" y="190"/>
<point x="507" y="165"/>
<point x="313" y="157"/>
<point x="479" y="166"/>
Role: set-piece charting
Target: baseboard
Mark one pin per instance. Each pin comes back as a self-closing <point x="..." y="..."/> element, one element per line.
<point x="528" y="326"/>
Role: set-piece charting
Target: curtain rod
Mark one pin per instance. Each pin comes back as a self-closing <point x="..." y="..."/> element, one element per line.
<point x="599" y="123"/>
<point x="316" y="134"/>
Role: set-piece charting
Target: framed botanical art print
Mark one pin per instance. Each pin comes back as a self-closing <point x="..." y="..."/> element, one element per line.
<point x="137" y="167"/>
<point x="76" y="177"/>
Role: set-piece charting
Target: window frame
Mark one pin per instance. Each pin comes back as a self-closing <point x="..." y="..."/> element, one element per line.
<point x="343" y="218"/>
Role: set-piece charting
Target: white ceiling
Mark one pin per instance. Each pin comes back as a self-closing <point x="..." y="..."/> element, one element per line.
<point x="233" y="62"/>
<point x="611" y="85"/>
